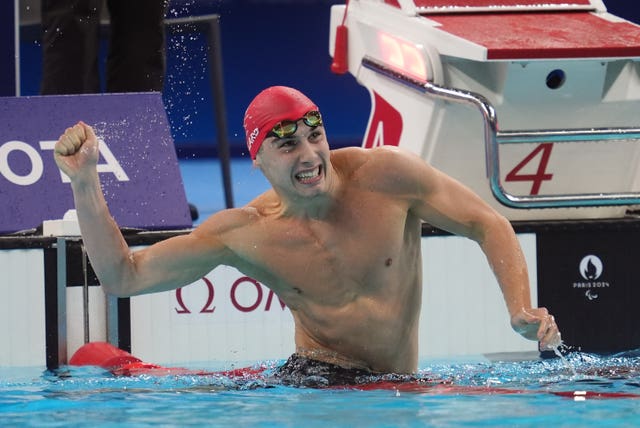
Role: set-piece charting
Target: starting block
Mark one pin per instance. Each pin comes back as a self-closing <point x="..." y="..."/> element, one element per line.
<point x="534" y="105"/>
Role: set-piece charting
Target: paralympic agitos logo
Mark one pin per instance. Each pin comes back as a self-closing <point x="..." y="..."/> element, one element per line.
<point x="591" y="269"/>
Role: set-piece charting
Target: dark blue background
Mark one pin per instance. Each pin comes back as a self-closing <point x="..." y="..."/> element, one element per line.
<point x="264" y="43"/>
<point x="7" y="54"/>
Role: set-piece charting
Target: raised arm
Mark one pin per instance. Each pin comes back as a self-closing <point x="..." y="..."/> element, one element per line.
<point x="166" y="265"/>
<point x="449" y="205"/>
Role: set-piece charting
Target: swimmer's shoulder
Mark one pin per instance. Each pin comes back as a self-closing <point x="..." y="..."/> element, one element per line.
<point x="228" y="233"/>
<point x="374" y="163"/>
<point x="236" y="219"/>
<point x="265" y="205"/>
<point x="390" y="172"/>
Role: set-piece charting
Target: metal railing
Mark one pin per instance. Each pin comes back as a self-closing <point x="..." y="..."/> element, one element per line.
<point x="493" y="138"/>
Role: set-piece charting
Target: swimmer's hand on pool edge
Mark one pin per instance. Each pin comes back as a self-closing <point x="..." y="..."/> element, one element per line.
<point x="537" y="324"/>
<point x="76" y="150"/>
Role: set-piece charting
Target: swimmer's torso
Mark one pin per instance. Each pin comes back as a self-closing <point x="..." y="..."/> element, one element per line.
<point x="352" y="298"/>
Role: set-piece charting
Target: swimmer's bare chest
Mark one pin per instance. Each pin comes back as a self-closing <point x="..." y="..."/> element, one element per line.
<point x="356" y="252"/>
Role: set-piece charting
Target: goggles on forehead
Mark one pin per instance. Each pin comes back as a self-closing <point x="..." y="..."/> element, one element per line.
<point x="287" y="128"/>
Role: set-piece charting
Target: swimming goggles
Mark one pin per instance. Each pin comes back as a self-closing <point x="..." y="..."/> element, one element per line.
<point x="287" y="128"/>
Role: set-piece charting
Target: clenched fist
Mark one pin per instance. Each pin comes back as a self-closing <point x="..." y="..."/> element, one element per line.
<point x="76" y="151"/>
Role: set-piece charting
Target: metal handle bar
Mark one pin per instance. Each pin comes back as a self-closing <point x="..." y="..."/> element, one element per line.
<point x="492" y="138"/>
<point x="567" y="135"/>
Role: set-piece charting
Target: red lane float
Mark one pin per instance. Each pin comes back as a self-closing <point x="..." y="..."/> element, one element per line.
<point x="451" y="389"/>
<point x="439" y="388"/>
<point x="122" y="363"/>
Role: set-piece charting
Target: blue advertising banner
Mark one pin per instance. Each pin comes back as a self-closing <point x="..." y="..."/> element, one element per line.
<point x="138" y="166"/>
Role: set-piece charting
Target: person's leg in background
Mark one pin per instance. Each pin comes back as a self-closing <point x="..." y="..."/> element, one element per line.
<point x="70" y="45"/>
<point x="137" y="53"/>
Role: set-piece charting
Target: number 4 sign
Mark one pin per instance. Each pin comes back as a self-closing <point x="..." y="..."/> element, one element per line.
<point x="540" y="174"/>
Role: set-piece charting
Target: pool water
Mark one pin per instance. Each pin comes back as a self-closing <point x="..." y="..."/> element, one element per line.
<point x="469" y="393"/>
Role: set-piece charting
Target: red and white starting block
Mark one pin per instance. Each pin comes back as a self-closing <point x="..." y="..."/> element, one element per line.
<point x="534" y="105"/>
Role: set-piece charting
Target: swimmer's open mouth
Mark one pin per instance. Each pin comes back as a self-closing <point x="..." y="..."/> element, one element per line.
<point x="309" y="176"/>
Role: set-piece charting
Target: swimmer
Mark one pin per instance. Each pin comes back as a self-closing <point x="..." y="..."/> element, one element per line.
<point x="337" y="238"/>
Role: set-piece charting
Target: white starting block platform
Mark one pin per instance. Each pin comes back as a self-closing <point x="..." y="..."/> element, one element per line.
<point x="534" y="105"/>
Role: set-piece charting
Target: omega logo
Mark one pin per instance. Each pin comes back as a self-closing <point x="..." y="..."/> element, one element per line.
<point x="259" y="299"/>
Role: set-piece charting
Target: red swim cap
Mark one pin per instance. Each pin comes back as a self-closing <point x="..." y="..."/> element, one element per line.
<point x="269" y="107"/>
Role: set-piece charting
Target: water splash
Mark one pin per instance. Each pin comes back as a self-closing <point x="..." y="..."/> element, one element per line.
<point x="186" y="72"/>
<point x="557" y="350"/>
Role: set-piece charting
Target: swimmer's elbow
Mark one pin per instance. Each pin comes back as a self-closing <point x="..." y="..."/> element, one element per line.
<point x="493" y="224"/>
<point x="116" y="288"/>
<point x="120" y="280"/>
<point x="500" y="222"/>
<point x="115" y="291"/>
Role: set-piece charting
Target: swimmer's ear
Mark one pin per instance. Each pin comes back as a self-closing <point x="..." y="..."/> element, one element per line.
<point x="256" y="161"/>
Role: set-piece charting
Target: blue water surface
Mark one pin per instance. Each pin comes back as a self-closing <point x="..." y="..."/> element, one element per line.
<point x="583" y="390"/>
